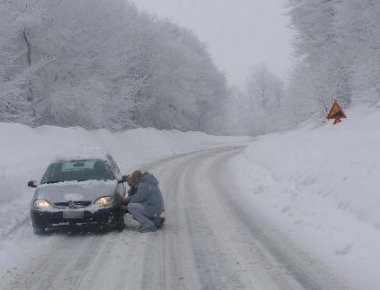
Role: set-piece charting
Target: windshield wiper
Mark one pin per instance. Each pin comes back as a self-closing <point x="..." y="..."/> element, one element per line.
<point x="52" y="181"/>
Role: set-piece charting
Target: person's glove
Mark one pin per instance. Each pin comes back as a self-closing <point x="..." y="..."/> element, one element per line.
<point x="124" y="202"/>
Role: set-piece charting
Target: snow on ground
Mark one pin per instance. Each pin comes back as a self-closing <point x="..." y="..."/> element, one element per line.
<point x="320" y="185"/>
<point x="25" y="153"/>
<point x="317" y="184"/>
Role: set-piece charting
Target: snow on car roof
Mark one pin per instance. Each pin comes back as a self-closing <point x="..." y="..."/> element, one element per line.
<point x="90" y="153"/>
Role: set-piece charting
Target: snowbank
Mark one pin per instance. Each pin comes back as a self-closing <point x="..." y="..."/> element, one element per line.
<point x="321" y="186"/>
<point x="25" y="154"/>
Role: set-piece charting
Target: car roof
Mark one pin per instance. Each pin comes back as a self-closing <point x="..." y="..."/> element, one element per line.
<point x="91" y="155"/>
<point x="78" y="159"/>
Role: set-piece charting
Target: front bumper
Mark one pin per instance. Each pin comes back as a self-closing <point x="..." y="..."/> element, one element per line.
<point x="45" y="219"/>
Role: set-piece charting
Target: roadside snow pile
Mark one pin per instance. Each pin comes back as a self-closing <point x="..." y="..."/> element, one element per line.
<point x="322" y="187"/>
<point x="25" y="154"/>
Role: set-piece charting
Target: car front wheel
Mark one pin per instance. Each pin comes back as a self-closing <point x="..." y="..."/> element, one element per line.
<point x="39" y="231"/>
<point x="119" y="222"/>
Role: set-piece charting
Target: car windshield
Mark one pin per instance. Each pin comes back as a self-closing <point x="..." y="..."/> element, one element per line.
<point x="77" y="170"/>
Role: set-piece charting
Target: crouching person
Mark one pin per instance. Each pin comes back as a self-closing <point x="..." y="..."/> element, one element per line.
<point x="146" y="205"/>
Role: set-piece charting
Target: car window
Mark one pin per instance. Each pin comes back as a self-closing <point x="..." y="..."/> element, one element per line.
<point x="114" y="164"/>
<point x="50" y="173"/>
<point x="78" y="165"/>
<point x="78" y="170"/>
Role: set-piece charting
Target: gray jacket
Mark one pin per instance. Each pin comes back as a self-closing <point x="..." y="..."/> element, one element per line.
<point x="148" y="193"/>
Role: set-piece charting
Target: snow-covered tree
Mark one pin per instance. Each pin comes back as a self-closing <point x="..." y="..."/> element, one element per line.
<point x="358" y="27"/>
<point x="104" y="64"/>
<point x="318" y="48"/>
<point x="265" y="88"/>
<point x="18" y="68"/>
<point x="264" y="92"/>
<point x="338" y="47"/>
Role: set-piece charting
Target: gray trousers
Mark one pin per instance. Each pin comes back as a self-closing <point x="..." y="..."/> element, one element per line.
<point x="141" y="214"/>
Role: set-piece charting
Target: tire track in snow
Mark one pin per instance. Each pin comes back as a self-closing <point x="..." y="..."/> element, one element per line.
<point x="308" y="272"/>
<point x="208" y="242"/>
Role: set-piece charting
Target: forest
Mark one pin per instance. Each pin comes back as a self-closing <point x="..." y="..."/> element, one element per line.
<point x="105" y="64"/>
<point x="337" y="51"/>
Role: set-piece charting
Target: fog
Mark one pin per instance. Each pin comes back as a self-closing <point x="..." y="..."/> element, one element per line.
<point x="240" y="34"/>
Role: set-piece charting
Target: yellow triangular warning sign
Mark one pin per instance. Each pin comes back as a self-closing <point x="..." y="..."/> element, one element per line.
<point x="336" y="113"/>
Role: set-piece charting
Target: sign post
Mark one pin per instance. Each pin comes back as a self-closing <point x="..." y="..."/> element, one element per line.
<point x="336" y="113"/>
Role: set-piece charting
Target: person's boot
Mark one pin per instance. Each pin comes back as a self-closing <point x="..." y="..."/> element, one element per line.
<point x="159" y="222"/>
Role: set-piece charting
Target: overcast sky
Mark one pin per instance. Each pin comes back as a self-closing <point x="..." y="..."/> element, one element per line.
<point x="240" y="34"/>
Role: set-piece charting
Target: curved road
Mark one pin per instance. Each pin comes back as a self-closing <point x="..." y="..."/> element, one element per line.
<point x="212" y="240"/>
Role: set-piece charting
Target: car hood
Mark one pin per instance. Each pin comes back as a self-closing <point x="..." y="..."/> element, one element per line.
<point x="75" y="191"/>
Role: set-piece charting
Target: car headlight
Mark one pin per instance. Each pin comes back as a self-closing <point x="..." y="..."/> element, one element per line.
<point x="104" y="201"/>
<point x="41" y="204"/>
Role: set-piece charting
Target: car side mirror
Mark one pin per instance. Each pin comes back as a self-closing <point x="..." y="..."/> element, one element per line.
<point x="32" y="183"/>
<point x="123" y="179"/>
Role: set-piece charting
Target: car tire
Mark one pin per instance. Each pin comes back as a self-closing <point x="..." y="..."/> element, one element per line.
<point x="120" y="224"/>
<point x="39" y="231"/>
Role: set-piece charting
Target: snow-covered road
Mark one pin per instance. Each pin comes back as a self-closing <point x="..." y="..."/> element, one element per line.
<point x="212" y="240"/>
